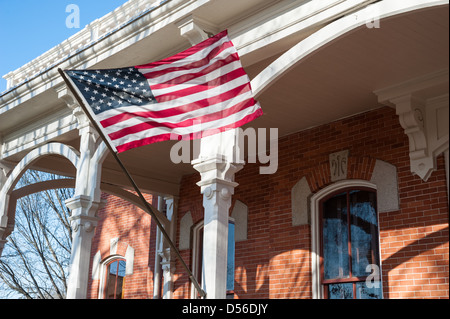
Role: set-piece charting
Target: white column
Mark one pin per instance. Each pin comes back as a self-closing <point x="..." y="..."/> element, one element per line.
<point x="2" y="229"/>
<point x="217" y="186"/>
<point x="84" y="206"/>
<point x="85" y="203"/>
<point x="158" y="252"/>
<point x="83" y="225"/>
<point x="217" y="166"/>
<point x="168" y="258"/>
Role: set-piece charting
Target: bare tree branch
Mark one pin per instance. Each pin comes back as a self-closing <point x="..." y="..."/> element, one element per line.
<point x="36" y="255"/>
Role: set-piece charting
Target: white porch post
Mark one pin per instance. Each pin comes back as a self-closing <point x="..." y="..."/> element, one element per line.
<point x="168" y="259"/>
<point x="217" y="168"/>
<point x="83" y="224"/>
<point x="2" y="229"/>
<point x="84" y="204"/>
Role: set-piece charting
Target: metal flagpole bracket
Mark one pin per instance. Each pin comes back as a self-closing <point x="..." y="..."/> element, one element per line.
<point x="149" y="209"/>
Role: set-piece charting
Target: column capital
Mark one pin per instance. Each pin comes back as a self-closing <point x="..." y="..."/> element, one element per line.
<point x="83" y="206"/>
<point x="216" y="171"/>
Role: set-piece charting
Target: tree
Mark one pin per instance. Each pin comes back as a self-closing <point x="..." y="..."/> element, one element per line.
<point x="36" y="256"/>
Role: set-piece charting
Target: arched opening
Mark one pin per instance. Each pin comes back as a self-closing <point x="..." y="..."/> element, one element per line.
<point x="58" y="149"/>
<point x="333" y="202"/>
<point x="333" y="73"/>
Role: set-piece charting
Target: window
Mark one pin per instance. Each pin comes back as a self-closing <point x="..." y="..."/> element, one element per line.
<point x="198" y="258"/>
<point x="349" y="248"/>
<point x="115" y="279"/>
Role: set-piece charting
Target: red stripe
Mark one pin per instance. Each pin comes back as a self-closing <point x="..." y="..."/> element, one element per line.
<point x="167" y="137"/>
<point x="201" y="87"/>
<point x="190" y="76"/>
<point x="186" y="123"/>
<point x="194" y="65"/>
<point x="186" y="53"/>
<point x="180" y="109"/>
<point x="145" y="141"/>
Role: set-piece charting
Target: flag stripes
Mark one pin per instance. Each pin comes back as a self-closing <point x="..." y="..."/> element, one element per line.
<point x="200" y="91"/>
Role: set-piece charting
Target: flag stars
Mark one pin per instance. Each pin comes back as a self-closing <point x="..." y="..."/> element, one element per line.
<point x="107" y="89"/>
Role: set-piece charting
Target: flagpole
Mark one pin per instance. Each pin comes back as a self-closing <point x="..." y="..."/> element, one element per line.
<point x="149" y="208"/>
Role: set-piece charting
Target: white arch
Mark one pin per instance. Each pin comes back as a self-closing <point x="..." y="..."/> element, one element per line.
<point x="48" y="149"/>
<point x="332" y="31"/>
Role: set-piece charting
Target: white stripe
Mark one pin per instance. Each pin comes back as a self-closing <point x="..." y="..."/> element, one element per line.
<point x="197" y="81"/>
<point x="176" y="102"/>
<point x="187" y="130"/>
<point x="174" y="74"/>
<point x="187" y="60"/>
<point x="182" y="117"/>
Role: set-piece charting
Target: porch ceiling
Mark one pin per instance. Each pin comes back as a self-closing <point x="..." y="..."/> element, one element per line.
<point x="332" y="83"/>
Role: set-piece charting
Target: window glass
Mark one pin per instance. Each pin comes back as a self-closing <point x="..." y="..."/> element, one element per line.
<point x="115" y="279"/>
<point x="340" y="291"/>
<point x="230" y="257"/>
<point x="335" y="238"/>
<point x="363" y="291"/>
<point x="349" y="247"/>
<point x="364" y="230"/>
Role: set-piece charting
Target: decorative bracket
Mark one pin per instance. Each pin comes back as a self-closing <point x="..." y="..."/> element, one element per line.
<point x="423" y="110"/>
<point x="195" y="29"/>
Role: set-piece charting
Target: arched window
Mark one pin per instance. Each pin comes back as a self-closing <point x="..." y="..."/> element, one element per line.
<point x="115" y="279"/>
<point x="349" y="245"/>
<point x="345" y="258"/>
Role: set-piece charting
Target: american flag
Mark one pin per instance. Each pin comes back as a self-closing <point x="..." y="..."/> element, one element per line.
<point x="200" y="91"/>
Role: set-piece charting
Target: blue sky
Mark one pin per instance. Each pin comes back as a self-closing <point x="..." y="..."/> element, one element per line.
<point x="29" y="28"/>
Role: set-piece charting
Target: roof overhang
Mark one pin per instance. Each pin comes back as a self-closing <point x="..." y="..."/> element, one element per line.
<point x="334" y="81"/>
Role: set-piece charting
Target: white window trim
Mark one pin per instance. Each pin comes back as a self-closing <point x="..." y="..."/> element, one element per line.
<point x="317" y="288"/>
<point x="103" y="269"/>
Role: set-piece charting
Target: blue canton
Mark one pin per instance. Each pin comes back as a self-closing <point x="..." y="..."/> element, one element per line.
<point x="112" y="88"/>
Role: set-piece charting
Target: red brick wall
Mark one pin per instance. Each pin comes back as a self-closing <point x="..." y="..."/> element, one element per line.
<point x="134" y="227"/>
<point x="275" y="261"/>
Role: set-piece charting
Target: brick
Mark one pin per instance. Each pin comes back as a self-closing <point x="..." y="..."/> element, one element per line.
<point x="275" y="261"/>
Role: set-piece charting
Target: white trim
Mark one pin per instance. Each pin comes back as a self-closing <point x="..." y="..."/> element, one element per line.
<point x="194" y="246"/>
<point x="317" y="289"/>
<point x="53" y="148"/>
<point x="101" y="273"/>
